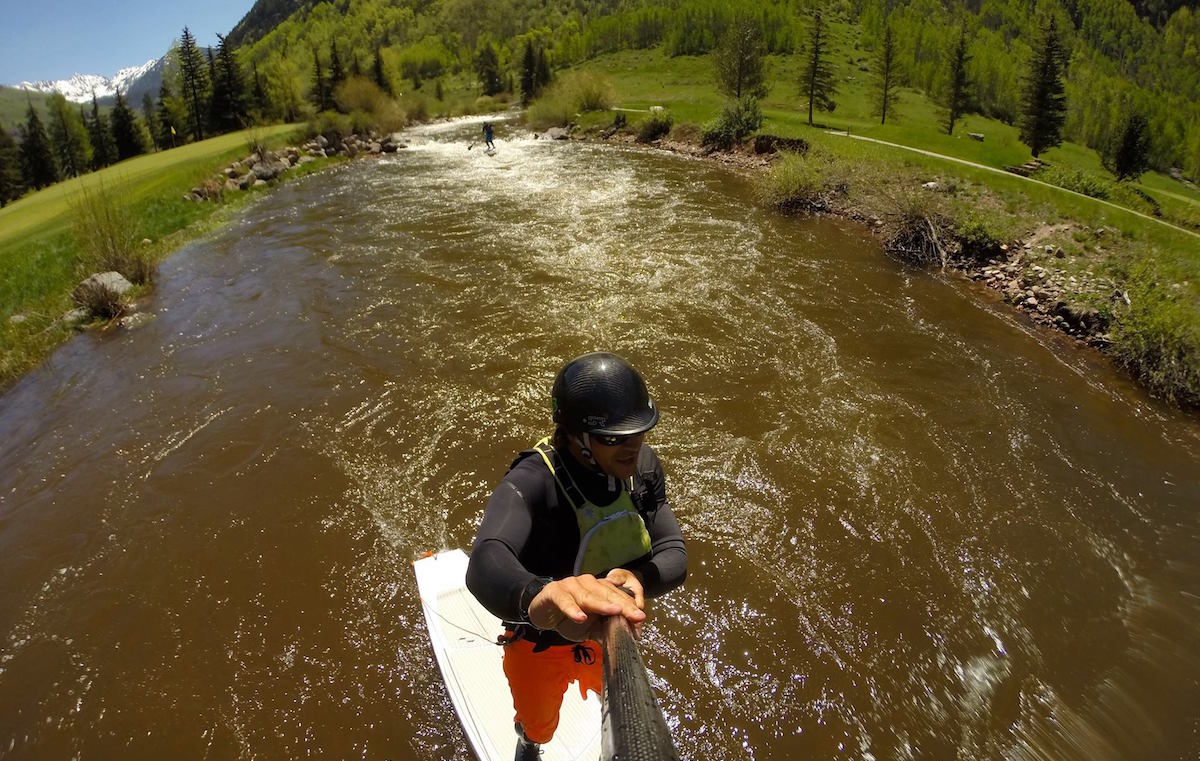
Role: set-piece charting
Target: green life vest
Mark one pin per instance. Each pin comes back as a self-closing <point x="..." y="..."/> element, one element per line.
<point x="610" y="536"/>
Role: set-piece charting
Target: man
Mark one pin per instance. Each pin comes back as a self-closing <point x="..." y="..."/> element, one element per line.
<point x="487" y="136"/>
<point x="579" y="529"/>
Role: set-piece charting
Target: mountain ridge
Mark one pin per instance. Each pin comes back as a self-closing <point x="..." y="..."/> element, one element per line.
<point x="80" y="87"/>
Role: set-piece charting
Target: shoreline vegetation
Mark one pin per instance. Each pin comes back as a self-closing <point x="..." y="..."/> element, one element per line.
<point x="1096" y="273"/>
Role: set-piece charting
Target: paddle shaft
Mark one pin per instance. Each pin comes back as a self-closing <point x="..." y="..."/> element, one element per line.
<point x="633" y="727"/>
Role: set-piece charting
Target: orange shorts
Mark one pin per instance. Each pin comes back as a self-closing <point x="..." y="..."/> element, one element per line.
<point x="538" y="682"/>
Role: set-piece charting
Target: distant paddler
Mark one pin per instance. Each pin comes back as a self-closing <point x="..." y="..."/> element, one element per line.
<point x="579" y="529"/>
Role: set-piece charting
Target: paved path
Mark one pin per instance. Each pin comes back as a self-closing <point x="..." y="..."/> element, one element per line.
<point x="1010" y="174"/>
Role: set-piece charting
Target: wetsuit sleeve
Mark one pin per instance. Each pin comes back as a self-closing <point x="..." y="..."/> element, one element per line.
<point x="495" y="574"/>
<point x="667" y="566"/>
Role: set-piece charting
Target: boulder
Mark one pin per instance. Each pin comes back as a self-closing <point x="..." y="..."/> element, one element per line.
<point x="976" y="136"/>
<point x="931" y="186"/>
<point x="322" y="141"/>
<point x="556" y="133"/>
<point x="390" y="147"/>
<point x="246" y="180"/>
<point x="305" y="160"/>
<point x="113" y="284"/>
<point x="375" y="148"/>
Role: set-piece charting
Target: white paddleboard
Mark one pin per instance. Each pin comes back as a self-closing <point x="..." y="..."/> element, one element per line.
<point x="463" y="635"/>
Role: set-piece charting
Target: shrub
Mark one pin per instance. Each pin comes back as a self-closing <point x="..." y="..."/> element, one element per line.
<point x="333" y="126"/>
<point x="798" y="183"/>
<point x="977" y="239"/>
<point x="99" y="301"/>
<point x="571" y="94"/>
<point x="917" y="232"/>
<point x="370" y="108"/>
<point x="105" y="232"/>
<point x="737" y="120"/>
<point x="658" y="125"/>
<point x="1076" y="180"/>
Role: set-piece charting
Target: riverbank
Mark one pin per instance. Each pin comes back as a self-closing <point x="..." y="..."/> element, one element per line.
<point x="1121" y="285"/>
<point x="167" y="200"/>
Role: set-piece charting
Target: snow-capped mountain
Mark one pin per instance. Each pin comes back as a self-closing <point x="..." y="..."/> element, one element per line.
<point x="80" y="87"/>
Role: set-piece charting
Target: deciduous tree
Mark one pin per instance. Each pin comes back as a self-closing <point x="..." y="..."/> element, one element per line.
<point x="150" y="119"/>
<point x="739" y="58"/>
<point x="818" y="82"/>
<point x="1044" y="101"/>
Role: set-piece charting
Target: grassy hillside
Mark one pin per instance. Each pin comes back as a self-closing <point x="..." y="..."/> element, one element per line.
<point x="14" y="104"/>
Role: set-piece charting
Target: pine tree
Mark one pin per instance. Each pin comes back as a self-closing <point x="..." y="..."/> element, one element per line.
<point x="1044" y="101"/>
<point x="104" y="151"/>
<point x="818" y="81"/>
<point x="378" y="74"/>
<point x="193" y="81"/>
<point x="887" y="73"/>
<point x="320" y="95"/>
<point x="69" y="137"/>
<point x="227" y="107"/>
<point x="37" y="159"/>
<point x="337" y="74"/>
<point x="355" y="69"/>
<point x="150" y="118"/>
<point x="1128" y="156"/>
<point x="528" y="74"/>
<point x="126" y="135"/>
<point x="487" y="66"/>
<point x="739" y="58"/>
<point x="542" y="78"/>
<point x="956" y="93"/>
<point x="11" y="182"/>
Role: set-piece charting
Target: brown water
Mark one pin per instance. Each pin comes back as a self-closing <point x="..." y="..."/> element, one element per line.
<point x="917" y="529"/>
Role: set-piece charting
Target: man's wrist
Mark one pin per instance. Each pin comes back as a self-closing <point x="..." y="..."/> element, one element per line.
<point x="532" y="590"/>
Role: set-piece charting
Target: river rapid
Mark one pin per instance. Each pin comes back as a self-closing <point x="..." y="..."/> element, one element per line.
<point x="918" y="527"/>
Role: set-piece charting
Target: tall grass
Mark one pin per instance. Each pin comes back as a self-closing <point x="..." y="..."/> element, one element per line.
<point x="106" y="234"/>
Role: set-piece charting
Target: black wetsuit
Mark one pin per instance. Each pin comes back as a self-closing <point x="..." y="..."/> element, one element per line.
<point x="529" y="530"/>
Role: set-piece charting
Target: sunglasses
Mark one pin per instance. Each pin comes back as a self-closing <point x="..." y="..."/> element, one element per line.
<point x="612" y="441"/>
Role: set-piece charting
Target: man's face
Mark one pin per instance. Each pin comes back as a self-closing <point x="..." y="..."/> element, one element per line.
<point x="620" y="459"/>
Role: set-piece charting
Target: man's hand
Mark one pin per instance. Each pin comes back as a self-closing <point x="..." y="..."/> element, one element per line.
<point x="574" y="606"/>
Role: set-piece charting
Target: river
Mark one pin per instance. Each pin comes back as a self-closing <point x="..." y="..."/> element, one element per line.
<point x="919" y="528"/>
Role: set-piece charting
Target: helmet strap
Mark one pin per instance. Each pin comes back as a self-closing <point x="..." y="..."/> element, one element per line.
<point x="585" y="449"/>
<point x="585" y="446"/>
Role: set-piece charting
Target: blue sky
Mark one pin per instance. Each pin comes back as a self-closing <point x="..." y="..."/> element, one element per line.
<point x="53" y="39"/>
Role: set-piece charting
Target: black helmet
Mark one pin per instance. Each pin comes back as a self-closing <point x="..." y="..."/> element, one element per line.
<point x="601" y="393"/>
